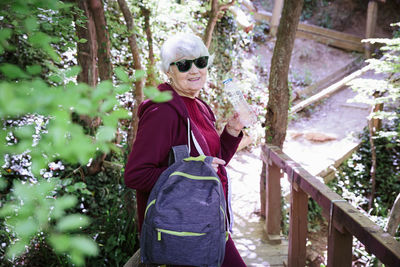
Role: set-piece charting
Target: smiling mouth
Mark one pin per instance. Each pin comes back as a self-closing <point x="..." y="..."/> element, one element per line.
<point x="194" y="79"/>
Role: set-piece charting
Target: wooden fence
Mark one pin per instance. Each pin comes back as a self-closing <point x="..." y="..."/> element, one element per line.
<point x="345" y="221"/>
<point x="330" y="37"/>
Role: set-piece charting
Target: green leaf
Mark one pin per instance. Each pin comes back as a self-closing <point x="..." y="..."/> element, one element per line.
<point x="5" y="34"/>
<point x="82" y="41"/>
<point x="139" y="74"/>
<point x="156" y="96"/>
<point x="20" y="7"/>
<point x="31" y="24"/>
<point x="39" y="39"/>
<point x="121" y="74"/>
<point x="72" y="72"/>
<point x="108" y="104"/>
<point x="8" y="210"/>
<point x="25" y="131"/>
<point x="112" y="118"/>
<point x="13" y="71"/>
<point x="52" y="53"/>
<point x="77" y="257"/>
<point x="80" y="185"/>
<point x="72" y="222"/>
<point x="84" y="106"/>
<point x="16" y="249"/>
<point x="24" y="191"/>
<point x="85" y="245"/>
<point x="105" y="133"/>
<point x="55" y="78"/>
<point x="70" y="189"/>
<point x="123" y="88"/>
<point x="44" y="188"/>
<point x="61" y="243"/>
<point x="3" y="183"/>
<point x="42" y="212"/>
<point x="26" y="228"/>
<point x="38" y="164"/>
<point x="34" y="69"/>
<point x="102" y="90"/>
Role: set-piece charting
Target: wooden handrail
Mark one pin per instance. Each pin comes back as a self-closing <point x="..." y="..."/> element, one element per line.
<point x="323" y="35"/>
<point x="345" y="221"/>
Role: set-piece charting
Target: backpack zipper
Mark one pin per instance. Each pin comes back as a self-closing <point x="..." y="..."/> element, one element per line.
<point x="175" y="233"/>
<point x="148" y="206"/>
<point x="225" y="224"/>
<point x="195" y="177"/>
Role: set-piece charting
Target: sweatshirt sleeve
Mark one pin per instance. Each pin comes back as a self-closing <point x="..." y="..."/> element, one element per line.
<point x="229" y="145"/>
<point x="149" y="155"/>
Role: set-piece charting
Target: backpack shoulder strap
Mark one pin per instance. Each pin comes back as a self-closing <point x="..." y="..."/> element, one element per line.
<point x="196" y="144"/>
<point x="178" y="153"/>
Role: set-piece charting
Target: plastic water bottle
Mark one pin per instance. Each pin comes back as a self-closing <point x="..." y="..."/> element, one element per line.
<point x="246" y="115"/>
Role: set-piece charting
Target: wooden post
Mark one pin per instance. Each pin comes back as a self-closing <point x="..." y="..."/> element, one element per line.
<point x="339" y="248"/>
<point x="273" y="204"/>
<point x="297" y="227"/>
<point x="394" y="217"/>
<point x="372" y="15"/>
<point x="263" y="186"/>
<point x="276" y="15"/>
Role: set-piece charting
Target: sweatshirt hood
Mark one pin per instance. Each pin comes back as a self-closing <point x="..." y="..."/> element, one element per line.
<point x="176" y="102"/>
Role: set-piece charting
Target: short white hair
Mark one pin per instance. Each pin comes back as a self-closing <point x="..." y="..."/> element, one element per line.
<point x="182" y="45"/>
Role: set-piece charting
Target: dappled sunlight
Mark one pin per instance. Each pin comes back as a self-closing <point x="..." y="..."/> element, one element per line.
<point x="318" y="143"/>
<point x="321" y="140"/>
<point x="244" y="171"/>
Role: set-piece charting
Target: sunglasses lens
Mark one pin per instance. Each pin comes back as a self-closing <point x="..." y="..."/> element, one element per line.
<point x="184" y="65"/>
<point x="201" y="62"/>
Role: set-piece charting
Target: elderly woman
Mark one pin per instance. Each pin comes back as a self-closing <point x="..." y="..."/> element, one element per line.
<point x="185" y="59"/>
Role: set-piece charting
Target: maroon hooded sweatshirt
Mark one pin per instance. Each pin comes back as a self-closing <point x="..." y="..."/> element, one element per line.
<point x="162" y="126"/>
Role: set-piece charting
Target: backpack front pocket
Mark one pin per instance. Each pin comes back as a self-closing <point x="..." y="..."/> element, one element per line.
<point x="181" y="242"/>
<point x="161" y="231"/>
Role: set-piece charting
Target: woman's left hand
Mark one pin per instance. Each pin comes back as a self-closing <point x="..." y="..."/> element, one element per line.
<point x="216" y="162"/>
<point x="234" y="126"/>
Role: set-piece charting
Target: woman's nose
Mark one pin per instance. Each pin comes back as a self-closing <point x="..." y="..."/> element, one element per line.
<point x="193" y="69"/>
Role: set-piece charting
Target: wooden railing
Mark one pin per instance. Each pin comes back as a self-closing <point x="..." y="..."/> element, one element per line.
<point x="345" y="221"/>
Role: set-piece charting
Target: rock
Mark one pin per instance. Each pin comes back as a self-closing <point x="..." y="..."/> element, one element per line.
<point x="318" y="137"/>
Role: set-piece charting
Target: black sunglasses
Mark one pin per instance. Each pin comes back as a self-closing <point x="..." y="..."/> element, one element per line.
<point x="186" y="64"/>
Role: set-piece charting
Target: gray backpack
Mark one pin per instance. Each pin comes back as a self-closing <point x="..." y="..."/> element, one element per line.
<point x="185" y="218"/>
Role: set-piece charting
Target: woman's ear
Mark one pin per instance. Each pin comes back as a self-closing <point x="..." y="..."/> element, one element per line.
<point x="169" y="74"/>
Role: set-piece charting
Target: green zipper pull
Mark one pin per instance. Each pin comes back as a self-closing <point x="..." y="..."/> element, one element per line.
<point x="158" y="235"/>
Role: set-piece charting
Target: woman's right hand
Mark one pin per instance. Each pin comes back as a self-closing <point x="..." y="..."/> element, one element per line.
<point x="217" y="161"/>
<point x="234" y="126"/>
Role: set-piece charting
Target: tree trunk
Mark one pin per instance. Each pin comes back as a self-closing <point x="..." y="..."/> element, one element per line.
<point x="216" y="8"/>
<point x="151" y="79"/>
<point x="212" y="21"/>
<point x="374" y="126"/>
<point x="373" y="164"/>
<point x="138" y="66"/>
<point x="103" y="40"/>
<point x="278" y="102"/>
<point x="104" y="67"/>
<point x="87" y="52"/>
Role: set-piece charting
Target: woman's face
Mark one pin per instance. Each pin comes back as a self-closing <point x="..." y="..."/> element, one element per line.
<point x="188" y="83"/>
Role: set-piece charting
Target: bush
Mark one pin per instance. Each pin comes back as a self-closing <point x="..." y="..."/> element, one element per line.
<point x="353" y="180"/>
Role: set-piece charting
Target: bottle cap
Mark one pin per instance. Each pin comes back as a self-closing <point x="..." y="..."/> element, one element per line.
<point x="227" y="81"/>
